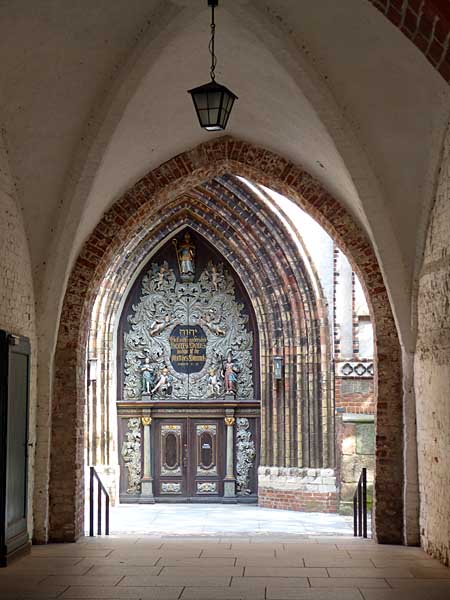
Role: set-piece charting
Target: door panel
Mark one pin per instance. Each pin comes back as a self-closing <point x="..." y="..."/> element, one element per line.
<point x="189" y="458"/>
<point x="206" y="456"/>
<point x="14" y="386"/>
<point x="170" y="458"/>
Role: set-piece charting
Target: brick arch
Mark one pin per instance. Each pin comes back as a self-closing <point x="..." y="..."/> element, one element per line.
<point x="185" y="174"/>
<point x="426" y="23"/>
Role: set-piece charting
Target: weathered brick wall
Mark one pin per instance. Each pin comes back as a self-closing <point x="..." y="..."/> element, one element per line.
<point x="16" y="288"/>
<point x="426" y="23"/>
<point x="311" y="490"/>
<point x="432" y="374"/>
<point x="354" y="396"/>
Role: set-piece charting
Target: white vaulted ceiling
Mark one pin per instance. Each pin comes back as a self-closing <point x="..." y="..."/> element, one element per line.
<point x="93" y="95"/>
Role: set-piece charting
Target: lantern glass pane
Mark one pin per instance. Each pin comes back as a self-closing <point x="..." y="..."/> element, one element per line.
<point x="227" y="102"/>
<point x="214" y="99"/>
<point x="213" y="116"/>
<point x="201" y="100"/>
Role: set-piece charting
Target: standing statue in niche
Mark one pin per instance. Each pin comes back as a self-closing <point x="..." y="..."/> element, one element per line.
<point x="186" y="255"/>
<point x="148" y="377"/>
<point x="229" y="374"/>
<point x="164" y="385"/>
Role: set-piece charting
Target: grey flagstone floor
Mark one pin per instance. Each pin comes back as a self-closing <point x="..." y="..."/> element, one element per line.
<point x="223" y="520"/>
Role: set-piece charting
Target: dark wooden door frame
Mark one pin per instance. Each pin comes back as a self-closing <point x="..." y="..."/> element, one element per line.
<point x="14" y="403"/>
<point x="188" y="459"/>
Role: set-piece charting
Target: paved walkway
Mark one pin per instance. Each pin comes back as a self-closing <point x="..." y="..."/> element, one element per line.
<point x="223" y="520"/>
<point x="229" y="568"/>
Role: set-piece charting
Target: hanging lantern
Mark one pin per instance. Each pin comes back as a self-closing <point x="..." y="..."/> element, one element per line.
<point x="213" y="102"/>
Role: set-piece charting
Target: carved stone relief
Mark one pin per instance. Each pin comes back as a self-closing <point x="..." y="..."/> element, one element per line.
<point x="131" y="454"/>
<point x="182" y="336"/>
<point x="245" y="455"/>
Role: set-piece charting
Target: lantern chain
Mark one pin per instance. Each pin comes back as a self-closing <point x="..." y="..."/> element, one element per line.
<point x="211" y="45"/>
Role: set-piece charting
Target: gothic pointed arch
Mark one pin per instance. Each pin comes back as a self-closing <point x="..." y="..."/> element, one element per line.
<point x="183" y="187"/>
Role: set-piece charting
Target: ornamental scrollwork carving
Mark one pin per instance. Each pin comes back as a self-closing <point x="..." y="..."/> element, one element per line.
<point x="171" y="488"/>
<point x="207" y="487"/>
<point x="165" y="305"/>
<point x="245" y="455"/>
<point x="131" y="454"/>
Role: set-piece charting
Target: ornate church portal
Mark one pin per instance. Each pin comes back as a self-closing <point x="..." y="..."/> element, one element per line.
<point x="188" y="380"/>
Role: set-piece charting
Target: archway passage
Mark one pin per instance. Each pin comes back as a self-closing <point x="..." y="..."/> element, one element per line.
<point x="127" y="222"/>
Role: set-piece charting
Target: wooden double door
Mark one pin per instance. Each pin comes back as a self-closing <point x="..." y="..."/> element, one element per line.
<point x="190" y="458"/>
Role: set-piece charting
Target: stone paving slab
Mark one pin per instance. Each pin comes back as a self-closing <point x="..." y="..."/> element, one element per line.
<point x="202" y="561"/>
<point x="227" y="593"/>
<point x="347" y="582"/>
<point x="82" y="580"/>
<point x="122" y="570"/>
<point x="288" y="572"/>
<point x="309" y="594"/>
<point x="372" y="572"/>
<point x="217" y="571"/>
<point x="181" y="580"/>
<point x="403" y="595"/>
<point x="251" y="583"/>
<point x="132" y="593"/>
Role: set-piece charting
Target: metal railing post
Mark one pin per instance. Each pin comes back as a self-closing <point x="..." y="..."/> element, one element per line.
<point x="100" y="488"/>
<point x="360" y="506"/>
<point x="91" y="501"/>
<point x="99" y="508"/>
<point x="364" y="501"/>
<point x="107" y="516"/>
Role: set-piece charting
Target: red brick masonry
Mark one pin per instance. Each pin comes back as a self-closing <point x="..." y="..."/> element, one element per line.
<point x="426" y="23"/>
<point x="298" y="500"/>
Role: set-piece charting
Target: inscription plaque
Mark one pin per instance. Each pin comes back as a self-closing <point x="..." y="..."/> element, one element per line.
<point x="188" y="348"/>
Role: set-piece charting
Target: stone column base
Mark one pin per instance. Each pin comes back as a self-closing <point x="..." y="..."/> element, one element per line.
<point x="147" y="491"/>
<point x="301" y="489"/>
<point x="229" y="490"/>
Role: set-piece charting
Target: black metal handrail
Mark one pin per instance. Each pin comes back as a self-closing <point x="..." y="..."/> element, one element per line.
<point x="100" y="488"/>
<point x="360" y="506"/>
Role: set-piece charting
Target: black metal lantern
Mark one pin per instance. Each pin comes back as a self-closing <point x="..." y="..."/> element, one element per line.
<point x="278" y="367"/>
<point x="213" y="102"/>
